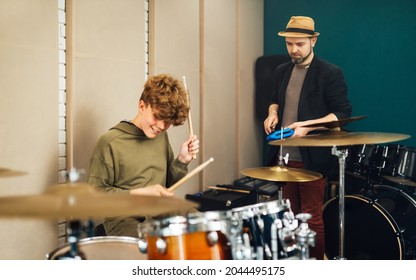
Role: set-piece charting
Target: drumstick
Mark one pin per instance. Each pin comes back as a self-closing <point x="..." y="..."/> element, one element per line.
<point x="190" y="174"/>
<point x="227" y="189"/>
<point x="191" y="131"/>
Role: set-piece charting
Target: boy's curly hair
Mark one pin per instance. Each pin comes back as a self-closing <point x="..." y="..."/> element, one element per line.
<point x="167" y="97"/>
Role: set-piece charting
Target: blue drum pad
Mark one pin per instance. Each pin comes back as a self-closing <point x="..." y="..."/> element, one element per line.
<point x="279" y="134"/>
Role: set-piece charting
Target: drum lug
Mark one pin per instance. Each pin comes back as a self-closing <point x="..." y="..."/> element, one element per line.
<point x="212" y="238"/>
<point x="142" y="243"/>
<point x="161" y="246"/>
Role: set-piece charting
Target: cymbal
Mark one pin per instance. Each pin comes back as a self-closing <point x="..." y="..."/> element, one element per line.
<point x="5" y="172"/>
<point x="281" y="174"/>
<point x="340" y="138"/>
<point x="338" y="123"/>
<point x="401" y="181"/>
<point x="83" y="201"/>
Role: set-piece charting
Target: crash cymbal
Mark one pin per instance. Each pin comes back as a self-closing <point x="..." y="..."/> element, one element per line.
<point x="281" y="174"/>
<point x="338" y="123"/>
<point x="340" y="138"/>
<point x="5" y="172"/>
<point x="82" y="201"/>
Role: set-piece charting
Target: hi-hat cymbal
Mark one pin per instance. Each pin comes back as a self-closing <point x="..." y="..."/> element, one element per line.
<point x="82" y="201"/>
<point x="5" y="172"/>
<point x="340" y="138"/>
<point x="281" y="174"/>
<point x="338" y="123"/>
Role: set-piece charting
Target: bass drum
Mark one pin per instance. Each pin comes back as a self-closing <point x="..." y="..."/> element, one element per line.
<point x="379" y="225"/>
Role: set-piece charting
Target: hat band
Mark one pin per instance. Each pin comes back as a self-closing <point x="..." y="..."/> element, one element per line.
<point x="300" y="30"/>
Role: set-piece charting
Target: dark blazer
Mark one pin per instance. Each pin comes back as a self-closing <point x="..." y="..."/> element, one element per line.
<point x="324" y="91"/>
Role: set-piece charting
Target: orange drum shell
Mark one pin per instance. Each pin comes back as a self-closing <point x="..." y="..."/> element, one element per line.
<point x="190" y="246"/>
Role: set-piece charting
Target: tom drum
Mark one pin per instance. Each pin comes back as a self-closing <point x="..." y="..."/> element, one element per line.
<point x="196" y="236"/>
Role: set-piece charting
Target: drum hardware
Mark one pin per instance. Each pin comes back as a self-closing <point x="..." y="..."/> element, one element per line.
<point x="275" y="228"/>
<point x="283" y="233"/>
<point x="212" y="238"/>
<point x="74" y="233"/>
<point x="142" y="243"/>
<point x="241" y="247"/>
<point x="294" y="238"/>
<point x="268" y="229"/>
<point x="335" y="139"/>
<point x="361" y="156"/>
<point x="287" y="238"/>
<point x="161" y="246"/>
<point x="305" y="237"/>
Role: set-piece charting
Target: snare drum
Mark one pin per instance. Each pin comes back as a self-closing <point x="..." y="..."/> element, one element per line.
<point x="196" y="236"/>
<point x="103" y="248"/>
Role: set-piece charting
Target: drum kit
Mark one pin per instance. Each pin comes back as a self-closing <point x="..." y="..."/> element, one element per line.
<point x="268" y="230"/>
<point x="339" y="140"/>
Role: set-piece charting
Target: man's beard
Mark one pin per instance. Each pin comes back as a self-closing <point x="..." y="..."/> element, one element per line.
<point x="300" y="60"/>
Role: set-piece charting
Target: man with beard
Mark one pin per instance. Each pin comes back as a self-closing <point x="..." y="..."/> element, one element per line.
<point x="307" y="90"/>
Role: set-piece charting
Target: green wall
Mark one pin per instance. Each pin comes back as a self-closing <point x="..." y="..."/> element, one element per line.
<point x="374" y="42"/>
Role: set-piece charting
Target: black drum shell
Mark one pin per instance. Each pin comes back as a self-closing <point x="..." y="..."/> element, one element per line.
<point x="378" y="225"/>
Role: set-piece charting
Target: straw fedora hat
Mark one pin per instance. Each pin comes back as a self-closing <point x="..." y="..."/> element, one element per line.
<point x="299" y="26"/>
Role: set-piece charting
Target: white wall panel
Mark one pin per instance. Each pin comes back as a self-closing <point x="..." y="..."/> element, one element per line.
<point x="28" y="118"/>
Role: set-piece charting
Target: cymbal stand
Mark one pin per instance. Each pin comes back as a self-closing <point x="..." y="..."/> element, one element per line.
<point x="73" y="236"/>
<point x="281" y="161"/>
<point x="75" y="228"/>
<point x="342" y="155"/>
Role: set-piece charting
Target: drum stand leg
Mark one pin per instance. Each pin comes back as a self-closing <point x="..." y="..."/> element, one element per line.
<point x="342" y="155"/>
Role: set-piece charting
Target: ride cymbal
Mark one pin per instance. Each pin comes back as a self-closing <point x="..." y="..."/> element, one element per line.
<point x="281" y="174"/>
<point x="82" y="201"/>
<point x="340" y="138"/>
<point x="338" y="123"/>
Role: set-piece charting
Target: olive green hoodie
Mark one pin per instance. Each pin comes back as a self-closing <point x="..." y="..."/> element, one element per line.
<point x="124" y="159"/>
